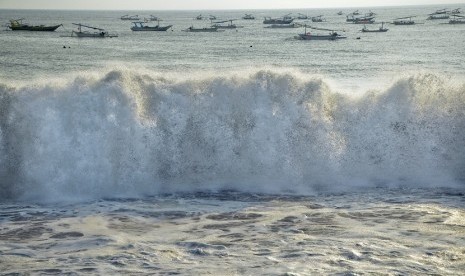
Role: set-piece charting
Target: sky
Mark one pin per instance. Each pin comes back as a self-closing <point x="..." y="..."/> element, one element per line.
<point x="208" y="4"/>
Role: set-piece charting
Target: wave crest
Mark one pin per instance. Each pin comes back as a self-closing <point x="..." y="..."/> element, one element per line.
<point x="130" y="133"/>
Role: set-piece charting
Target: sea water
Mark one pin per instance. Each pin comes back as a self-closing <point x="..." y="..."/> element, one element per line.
<point x="241" y="152"/>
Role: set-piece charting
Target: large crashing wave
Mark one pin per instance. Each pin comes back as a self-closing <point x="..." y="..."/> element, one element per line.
<point x="130" y="134"/>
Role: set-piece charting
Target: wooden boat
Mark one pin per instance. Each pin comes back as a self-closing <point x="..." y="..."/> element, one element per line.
<point x="318" y="18"/>
<point x="201" y="30"/>
<point x="282" y="20"/>
<point x="140" y="26"/>
<point x="457" y="19"/>
<point x="333" y="35"/>
<point x="97" y="32"/>
<point x="248" y="17"/>
<point x="439" y="14"/>
<point x="18" y="25"/>
<point x="404" y="21"/>
<point x="231" y="25"/>
<point x="130" y="17"/>
<point x="380" y="30"/>
<point x="284" y="26"/>
<point x="364" y="20"/>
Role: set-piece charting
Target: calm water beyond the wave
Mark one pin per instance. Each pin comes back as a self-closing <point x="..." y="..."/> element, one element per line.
<point x="243" y="152"/>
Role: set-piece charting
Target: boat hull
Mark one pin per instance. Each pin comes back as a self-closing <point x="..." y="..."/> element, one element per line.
<point x="401" y="23"/>
<point x="319" y="37"/>
<point x="151" y="29"/>
<point x="93" y="35"/>
<point x="457" y="22"/>
<point x="374" y="31"/>
<point x="277" y="21"/>
<point x="35" y="28"/>
<point x="202" y="30"/>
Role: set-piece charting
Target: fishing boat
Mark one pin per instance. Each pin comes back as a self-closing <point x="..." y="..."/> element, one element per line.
<point x="130" y="17"/>
<point x="284" y="26"/>
<point x="140" y="26"/>
<point x="201" y="30"/>
<point x="302" y="16"/>
<point x="283" y="20"/>
<point x="370" y="13"/>
<point x="350" y="18"/>
<point x="364" y="20"/>
<point x="404" y="21"/>
<point x="212" y="17"/>
<point x="199" y="17"/>
<point x="356" y="12"/>
<point x="151" y="18"/>
<point x="439" y="14"/>
<point x="339" y="13"/>
<point x="332" y="35"/>
<point x="457" y="19"/>
<point x="95" y="33"/>
<point x="318" y="18"/>
<point x="18" y="25"/>
<point x="455" y="11"/>
<point x="248" y="17"/>
<point x="231" y="25"/>
<point x="380" y="30"/>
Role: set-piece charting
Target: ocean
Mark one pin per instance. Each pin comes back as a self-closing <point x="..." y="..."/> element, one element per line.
<point x="242" y="152"/>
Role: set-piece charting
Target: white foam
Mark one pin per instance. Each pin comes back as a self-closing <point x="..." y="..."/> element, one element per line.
<point x="131" y="133"/>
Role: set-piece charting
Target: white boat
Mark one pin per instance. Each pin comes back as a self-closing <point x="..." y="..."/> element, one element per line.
<point x="439" y="14"/>
<point x="332" y="35"/>
<point x="151" y="18"/>
<point x="380" y="30"/>
<point x="404" y="21"/>
<point x="457" y="19"/>
<point x="95" y="33"/>
<point x="140" y="26"/>
<point x="318" y="18"/>
<point x="302" y="16"/>
<point x="364" y="20"/>
<point x="130" y="17"/>
<point x="201" y="30"/>
<point x="339" y="13"/>
<point x="284" y="26"/>
<point x="199" y="17"/>
<point x="231" y="25"/>
<point x="248" y="17"/>
<point x="455" y="11"/>
<point x="269" y="20"/>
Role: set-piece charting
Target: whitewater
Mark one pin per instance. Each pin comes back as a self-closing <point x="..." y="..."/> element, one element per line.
<point x="236" y="157"/>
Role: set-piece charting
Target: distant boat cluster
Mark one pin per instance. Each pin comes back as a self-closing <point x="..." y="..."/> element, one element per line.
<point x="286" y="21"/>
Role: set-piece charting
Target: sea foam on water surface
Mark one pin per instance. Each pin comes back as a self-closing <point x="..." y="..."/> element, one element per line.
<point x="133" y="133"/>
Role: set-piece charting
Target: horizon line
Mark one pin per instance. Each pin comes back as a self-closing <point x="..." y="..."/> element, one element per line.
<point x="236" y="9"/>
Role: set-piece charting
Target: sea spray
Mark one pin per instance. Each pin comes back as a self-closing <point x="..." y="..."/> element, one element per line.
<point x="131" y="133"/>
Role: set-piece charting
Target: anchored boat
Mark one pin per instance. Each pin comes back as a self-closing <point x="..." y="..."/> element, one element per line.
<point x="248" y="17"/>
<point x="333" y="35"/>
<point x="89" y="31"/>
<point x="130" y="17"/>
<point x="439" y="14"/>
<point x="18" y="25"/>
<point x="140" y="26"/>
<point x="202" y="30"/>
<point x="457" y="19"/>
<point x="380" y="30"/>
<point x="283" y="20"/>
<point x="404" y="21"/>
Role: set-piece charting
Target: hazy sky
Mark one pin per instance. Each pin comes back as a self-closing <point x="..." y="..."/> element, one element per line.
<point x="208" y="4"/>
